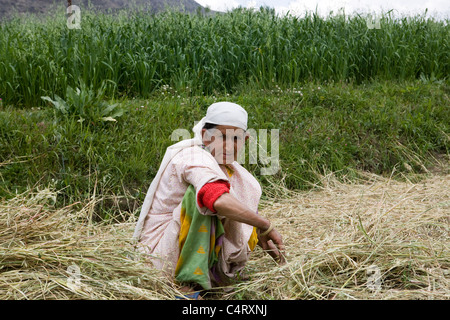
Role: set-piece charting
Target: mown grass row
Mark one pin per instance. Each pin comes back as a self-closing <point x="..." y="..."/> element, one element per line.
<point x="378" y="127"/>
<point x="135" y="53"/>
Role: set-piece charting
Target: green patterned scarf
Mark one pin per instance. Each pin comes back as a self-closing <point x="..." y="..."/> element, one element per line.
<point x="200" y="242"/>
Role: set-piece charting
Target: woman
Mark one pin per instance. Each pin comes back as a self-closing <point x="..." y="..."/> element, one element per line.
<point x="199" y="220"/>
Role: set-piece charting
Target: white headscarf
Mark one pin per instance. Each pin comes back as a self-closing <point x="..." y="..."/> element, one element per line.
<point x="219" y="113"/>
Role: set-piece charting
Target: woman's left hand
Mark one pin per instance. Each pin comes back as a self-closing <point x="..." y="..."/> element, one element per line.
<point x="273" y="245"/>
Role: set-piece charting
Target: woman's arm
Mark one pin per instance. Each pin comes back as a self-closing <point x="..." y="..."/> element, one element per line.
<point x="228" y="206"/>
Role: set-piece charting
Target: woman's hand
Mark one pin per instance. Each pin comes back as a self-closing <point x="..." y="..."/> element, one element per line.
<point x="273" y="245"/>
<point x="228" y="206"/>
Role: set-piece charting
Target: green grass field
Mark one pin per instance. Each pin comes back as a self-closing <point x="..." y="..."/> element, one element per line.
<point x="340" y="128"/>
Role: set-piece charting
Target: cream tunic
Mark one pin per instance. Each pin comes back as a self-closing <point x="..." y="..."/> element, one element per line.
<point x="195" y="166"/>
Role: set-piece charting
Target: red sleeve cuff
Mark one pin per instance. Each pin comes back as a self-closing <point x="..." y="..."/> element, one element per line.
<point x="209" y="193"/>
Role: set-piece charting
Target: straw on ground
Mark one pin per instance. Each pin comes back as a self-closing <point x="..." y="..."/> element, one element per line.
<point x="375" y="239"/>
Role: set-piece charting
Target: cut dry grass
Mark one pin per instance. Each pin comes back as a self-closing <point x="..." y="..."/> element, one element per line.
<point x="338" y="236"/>
<point x="378" y="239"/>
<point x="40" y="245"/>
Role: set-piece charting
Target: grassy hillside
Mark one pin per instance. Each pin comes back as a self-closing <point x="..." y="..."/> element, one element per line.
<point x="379" y="127"/>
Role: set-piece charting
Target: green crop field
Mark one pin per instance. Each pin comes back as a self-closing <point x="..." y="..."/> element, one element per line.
<point x="136" y="53"/>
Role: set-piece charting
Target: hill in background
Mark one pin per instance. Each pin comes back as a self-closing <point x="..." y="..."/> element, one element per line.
<point x="8" y="7"/>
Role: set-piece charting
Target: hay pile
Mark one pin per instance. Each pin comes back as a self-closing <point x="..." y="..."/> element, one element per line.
<point x="377" y="239"/>
<point x="48" y="253"/>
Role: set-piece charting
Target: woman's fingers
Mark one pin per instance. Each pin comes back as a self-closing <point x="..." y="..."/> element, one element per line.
<point x="273" y="245"/>
<point x="278" y="246"/>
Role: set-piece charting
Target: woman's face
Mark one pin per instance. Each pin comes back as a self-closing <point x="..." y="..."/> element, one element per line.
<point x="224" y="142"/>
